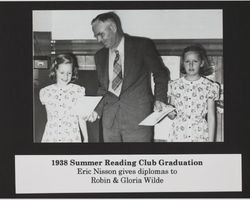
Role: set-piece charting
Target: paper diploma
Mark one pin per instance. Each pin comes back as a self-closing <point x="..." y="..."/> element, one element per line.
<point x="86" y="105"/>
<point x="156" y="116"/>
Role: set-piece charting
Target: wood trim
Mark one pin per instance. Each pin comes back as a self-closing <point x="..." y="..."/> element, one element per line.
<point x="82" y="47"/>
<point x="173" y="47"/>
<point x="214" y="47"/>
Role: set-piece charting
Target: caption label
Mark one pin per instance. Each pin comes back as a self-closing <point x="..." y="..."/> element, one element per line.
<point x="128" y="173"/>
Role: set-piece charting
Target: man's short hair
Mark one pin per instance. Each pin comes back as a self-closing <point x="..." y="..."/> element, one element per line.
<point x="109" y="16"/>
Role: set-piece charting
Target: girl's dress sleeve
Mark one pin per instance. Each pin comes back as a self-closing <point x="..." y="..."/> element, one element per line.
<point x="81" y="92"/>
<point x="214" y="92"/>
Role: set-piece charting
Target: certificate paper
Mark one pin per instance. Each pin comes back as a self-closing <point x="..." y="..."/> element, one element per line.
<point x="86" y="105"/>
<point x="156" y="116"/>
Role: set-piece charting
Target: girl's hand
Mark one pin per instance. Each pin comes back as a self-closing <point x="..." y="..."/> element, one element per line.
<point x="94" y="116"/>
<point x="172" y="115"/>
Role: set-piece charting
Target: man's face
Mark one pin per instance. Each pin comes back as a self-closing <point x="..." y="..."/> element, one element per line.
<point x="104" y="33"/>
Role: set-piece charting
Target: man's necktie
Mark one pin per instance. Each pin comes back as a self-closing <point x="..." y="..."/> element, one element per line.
<point x="117" y="71"/>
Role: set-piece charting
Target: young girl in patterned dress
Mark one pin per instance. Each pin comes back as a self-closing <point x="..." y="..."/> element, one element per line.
<point x="194" y="99"/>
<point x="63" y="124"/>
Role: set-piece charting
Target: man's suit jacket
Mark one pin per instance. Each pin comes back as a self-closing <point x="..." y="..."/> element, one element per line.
<point x="136" y="99"/>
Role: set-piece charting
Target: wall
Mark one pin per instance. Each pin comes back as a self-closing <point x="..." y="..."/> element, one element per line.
<point x="156" y="24"/>
<point x="42" y="21"/>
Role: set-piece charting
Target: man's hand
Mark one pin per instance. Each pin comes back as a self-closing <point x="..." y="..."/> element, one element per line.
<point x="159" y="106"/>
<point x="94" y="116"/>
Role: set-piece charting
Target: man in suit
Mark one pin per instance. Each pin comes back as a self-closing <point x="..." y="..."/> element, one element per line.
<point x="124" y="68"/>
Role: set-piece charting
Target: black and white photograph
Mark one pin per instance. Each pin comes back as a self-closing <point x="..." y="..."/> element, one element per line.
<point x="187" y="99"/>
<point x="125" y="99"/>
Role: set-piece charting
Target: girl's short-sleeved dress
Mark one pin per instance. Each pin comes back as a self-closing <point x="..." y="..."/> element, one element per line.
<point x="62" y="121"/>
<point x="191" y="102"/>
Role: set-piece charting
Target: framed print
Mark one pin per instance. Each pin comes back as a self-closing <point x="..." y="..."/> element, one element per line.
<point x="125" y="61"/>
<point x="41" y="63"/>
<point x="86" y="62"/>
